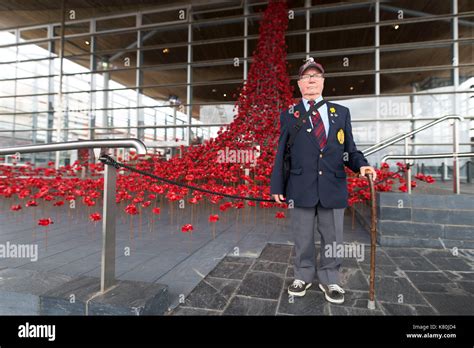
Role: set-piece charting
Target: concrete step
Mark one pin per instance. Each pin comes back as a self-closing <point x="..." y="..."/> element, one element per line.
<point x="29" y="292"/>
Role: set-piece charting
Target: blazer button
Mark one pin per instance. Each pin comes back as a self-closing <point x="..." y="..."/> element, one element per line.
<point x="320" y="155"/>
<point x="320" y="172"/>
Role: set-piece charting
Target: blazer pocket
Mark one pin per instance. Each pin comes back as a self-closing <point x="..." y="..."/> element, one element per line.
<point x="296" y="171"/>
<point x="340" y="174"/>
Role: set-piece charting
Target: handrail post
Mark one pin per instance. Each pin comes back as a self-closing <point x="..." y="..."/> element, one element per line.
<point x="408" y="165"/>
<point x="107" y="274"/>
<point x="456" y="176"/>
<point x="468" y="171"/>
<point x="373" y="241"/>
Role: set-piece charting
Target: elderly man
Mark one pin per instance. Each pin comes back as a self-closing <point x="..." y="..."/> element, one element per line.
<point x="317" y="182"/>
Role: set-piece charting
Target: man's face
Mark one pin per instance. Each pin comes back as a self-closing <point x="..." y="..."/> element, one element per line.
<point x="311" y="83"/>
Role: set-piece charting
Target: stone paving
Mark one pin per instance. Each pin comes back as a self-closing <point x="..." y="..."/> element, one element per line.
<point x="408" y="282"/>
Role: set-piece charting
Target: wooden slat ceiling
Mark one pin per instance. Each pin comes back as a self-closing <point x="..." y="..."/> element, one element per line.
<point x="14" y="13"/>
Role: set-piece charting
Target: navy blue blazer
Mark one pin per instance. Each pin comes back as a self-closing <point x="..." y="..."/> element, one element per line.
<point x="317" y="175"/>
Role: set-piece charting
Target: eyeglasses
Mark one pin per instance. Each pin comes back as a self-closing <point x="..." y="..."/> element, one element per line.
<point x="306" y="77"/>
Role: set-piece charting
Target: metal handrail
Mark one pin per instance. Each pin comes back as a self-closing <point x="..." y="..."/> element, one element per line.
<point x="107" y="275"/>
<point x="74" y="145"/>
<point x="396" y="138"/>
<point x="427" y="156"/>
<point x="455" y="155"/>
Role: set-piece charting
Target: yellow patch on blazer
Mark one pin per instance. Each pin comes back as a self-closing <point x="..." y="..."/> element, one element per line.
<point x="340" y="136"/>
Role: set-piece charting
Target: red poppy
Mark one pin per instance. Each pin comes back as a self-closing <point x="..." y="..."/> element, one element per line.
<point x="280" y="215"/>
<point x="88" y="201"/>
<point x="131" y="209"/>
<point x="156" y="211"/>
<point x="429" y="179"/>
<point x="138" y="199"/>
<point x="15" y="207"/>
<point x="187" y="228"/>
<point x="95" y="217"/>
<point x="213" y="218"/>
<point x="45" y="222"/>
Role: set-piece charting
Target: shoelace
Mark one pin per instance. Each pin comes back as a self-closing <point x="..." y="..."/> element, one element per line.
<point x="335" y="287"/>
<point x="298" y="283"/>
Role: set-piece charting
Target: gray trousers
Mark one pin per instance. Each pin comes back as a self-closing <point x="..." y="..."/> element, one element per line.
<point x="330" y="223"/>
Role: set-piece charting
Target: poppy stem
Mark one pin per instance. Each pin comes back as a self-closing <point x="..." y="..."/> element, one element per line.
<point x="140" y="223"/>
<point x="131" y="227"/>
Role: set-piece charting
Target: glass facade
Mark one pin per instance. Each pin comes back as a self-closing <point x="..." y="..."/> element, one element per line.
<point x="169" y="74"/>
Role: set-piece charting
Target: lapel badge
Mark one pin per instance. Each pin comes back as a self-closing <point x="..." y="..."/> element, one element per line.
<point x="340" y="136"/>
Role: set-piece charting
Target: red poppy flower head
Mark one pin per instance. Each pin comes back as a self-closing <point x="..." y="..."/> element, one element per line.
<point x="16" y="207"/>
<point x="213" y="218"/>
<point x="95" y="217"/>
<point x="131" y="209"/>
<point x="280" y="215"/>
<point x="187" y="228"/>
<point x="45" y="222"/>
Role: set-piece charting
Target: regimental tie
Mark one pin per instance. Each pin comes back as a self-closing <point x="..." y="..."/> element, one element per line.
<point x="318" y="126"/>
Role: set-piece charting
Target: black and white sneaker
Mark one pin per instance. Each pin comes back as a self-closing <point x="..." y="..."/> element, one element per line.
<point x="333" y="293"/>
<point x="298" y="288"/>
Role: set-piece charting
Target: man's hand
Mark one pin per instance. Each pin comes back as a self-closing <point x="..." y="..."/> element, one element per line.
<point x="367" y="169"/>
<point x="278" y="198"/>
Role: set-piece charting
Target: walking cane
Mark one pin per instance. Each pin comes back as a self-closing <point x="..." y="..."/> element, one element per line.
<point x="373" y="241"/>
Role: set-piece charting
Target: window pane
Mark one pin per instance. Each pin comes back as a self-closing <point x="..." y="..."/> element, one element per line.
<point x="218" y="51"/>
<point x="216" y="93"/>
<point x="342" y="39"/>
<point x="217" y="73"/>
<point x="172" y="55"/>
<point x="394" y="9"/>
<point x="415" y="32"/>
<point x="343" y="15"/>
<point x="410" y="82"/>
<point x="206" y="31"/>
<point x="416" y="58"/>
